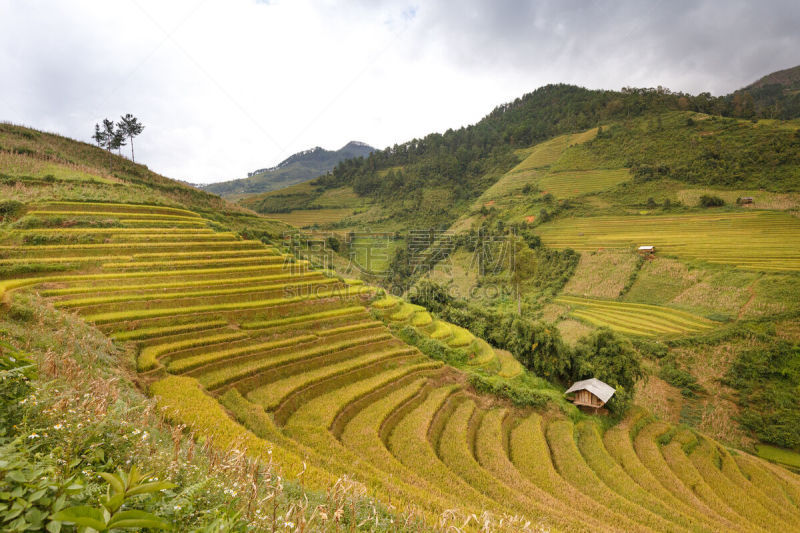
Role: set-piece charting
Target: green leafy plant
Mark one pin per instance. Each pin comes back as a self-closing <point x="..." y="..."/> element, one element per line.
<point x="30" y="491"/>
<point x="16" y="372"/>
<point x="122" y="487"/>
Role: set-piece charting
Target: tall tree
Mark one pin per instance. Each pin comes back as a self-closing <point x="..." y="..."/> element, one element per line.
<point x="109" y="133"/>
<point x="99" y="136"/>
<point x="130" y="127"/>
<point x="115" y="137"/>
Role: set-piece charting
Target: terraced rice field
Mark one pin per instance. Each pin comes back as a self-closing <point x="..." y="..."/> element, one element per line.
<point x="309" y="380"/>
<point x="370" y="253"/>
<point x="572" y="183"/>
<point x="634" y="319"/>
<point x="533" y="169"/>
<point x="303" y="218"/>
<point x="546" y="153"/>
<point x="480" y="353"/>
<point x="765" y="241"/>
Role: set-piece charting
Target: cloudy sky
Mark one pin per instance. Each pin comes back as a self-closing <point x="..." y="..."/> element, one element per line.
<point x="224" y="87"/>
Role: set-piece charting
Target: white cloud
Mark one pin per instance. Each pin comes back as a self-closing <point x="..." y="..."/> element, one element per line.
<point x="229" y="86"/>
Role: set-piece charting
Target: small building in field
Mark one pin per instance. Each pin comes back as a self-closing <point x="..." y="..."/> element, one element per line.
<point x="591" y="393"/>
<point x="745" y="200"/>
<point x="646" y="249"/>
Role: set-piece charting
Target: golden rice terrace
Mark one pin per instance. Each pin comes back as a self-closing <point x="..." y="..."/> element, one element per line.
<point x="254" y="349"/>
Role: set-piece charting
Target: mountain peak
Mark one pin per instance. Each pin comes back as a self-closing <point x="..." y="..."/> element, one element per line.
<point x="297" y="168"/>
<point x="356" y="144"/>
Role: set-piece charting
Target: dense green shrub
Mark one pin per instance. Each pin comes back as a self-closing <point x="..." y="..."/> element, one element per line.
<point x="680" y="379"/>
<point x="519" y="395"/>
<point x="431" y="347"/>
<point x="609" y="357"/>
<point x="16" y="372"/>
<point x="768" y="381"/>
<point x="10" y="209"/>
<point x="711" y="201"/>
<point x="21" y="150"/>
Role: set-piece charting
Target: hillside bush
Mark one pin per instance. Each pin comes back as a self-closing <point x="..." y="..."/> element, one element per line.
<point x="16" y="372"/>
<point x="519" y="395"/>
<point x="767" y="381"/>
<point x="680" y="379"/>
<point x="711" y="201"/>
<point x="10" y="209"/>
<point x="609" y="357"/>
<point x="430" y="347"/>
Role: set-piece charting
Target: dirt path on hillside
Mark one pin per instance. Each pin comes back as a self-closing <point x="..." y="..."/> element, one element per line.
<point x="749" y="301"/>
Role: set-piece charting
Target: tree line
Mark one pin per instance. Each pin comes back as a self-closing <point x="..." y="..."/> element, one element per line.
<point x="113" y="136"/>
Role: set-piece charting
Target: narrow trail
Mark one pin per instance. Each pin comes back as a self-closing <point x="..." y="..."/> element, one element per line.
<point x="749" y="301"/>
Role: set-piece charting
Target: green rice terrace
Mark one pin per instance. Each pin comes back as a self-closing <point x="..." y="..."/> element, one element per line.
<point x="635" y="319"/>
<point x="757" y="240"/>
<point x="249" y="347"/>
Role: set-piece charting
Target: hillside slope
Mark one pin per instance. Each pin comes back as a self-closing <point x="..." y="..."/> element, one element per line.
<point x="297" y="168"/>
<point x="431" y="181"/>
<point x="717" y="196"/>
<point x="251" y="348"/>
<point x="788" y="78"/>
<point x="776" y="95"/>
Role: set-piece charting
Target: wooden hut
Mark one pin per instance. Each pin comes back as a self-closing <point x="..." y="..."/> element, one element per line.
<point x="745" y="200"/>
<point x="591" y="393"/>
<point x="646" y="249"/>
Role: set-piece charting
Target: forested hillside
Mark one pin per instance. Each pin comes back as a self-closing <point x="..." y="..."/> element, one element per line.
<point x="432" y="180"/>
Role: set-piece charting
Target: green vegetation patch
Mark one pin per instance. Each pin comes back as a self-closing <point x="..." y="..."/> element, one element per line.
<point x="778" y="455"/>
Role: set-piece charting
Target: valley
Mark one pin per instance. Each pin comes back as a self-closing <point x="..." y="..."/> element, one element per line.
<point x="392" y="340"/>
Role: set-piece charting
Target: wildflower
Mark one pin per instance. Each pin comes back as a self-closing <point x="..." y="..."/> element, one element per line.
<point x="58" y="426"/>
<point x="289" y="525"/>
<point x="33" y="436"/>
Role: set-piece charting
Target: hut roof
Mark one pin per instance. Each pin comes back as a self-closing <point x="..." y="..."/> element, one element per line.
<point x="602" y="390"/>
<point x="646" y="247"/>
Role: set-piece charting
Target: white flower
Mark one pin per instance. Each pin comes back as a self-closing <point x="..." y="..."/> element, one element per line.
<point x="33" y="436"/>
<point x="59" y="426"/>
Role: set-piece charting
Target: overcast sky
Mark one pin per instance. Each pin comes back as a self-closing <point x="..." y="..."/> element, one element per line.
<point x="225" y="87"/>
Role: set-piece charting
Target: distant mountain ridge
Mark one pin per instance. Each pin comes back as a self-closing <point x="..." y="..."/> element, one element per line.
<point x="789" y="78"/>
<point x="297" y="168"/>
